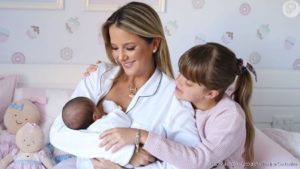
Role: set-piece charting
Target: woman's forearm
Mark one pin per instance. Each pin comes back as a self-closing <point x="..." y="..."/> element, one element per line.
<point x="144" y="136"/>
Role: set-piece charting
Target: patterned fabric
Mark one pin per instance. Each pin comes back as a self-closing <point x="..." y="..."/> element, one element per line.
<point x="7" y="143"/>
<point x="26" y="164"/>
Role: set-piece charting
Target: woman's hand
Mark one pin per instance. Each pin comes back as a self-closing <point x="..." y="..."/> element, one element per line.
<point x="104" y="164"/>
<point x="92" y="68"/>
<point x="117" y="138"/>
<point x="141" y="158"/>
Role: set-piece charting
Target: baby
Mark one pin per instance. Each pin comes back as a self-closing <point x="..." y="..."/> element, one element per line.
<point x="82" y="113"/>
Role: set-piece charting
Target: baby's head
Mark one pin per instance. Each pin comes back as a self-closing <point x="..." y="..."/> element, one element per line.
<point x="79" y="113"/>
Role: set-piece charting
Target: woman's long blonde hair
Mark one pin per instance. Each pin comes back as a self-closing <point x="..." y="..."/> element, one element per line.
<point x="217" y="67"/>
<point x="142" y="20"/>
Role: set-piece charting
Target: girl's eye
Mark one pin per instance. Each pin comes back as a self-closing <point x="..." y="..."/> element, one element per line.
<point x="114" y="48"/>
<point x="189" y="83"/>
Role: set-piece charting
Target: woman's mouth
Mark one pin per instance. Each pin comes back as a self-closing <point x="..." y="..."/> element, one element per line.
<point x="128" y="65"/>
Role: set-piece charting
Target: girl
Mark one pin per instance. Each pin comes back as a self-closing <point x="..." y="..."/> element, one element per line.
<point x="224" y="122"/>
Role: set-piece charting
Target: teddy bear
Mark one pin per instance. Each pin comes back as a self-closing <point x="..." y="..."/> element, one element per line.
<point x="29" y="153"/>
<point x="16" y="115"/>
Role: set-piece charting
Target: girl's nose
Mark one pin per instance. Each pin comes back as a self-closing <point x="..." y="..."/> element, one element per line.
<point x="178" y="80"/>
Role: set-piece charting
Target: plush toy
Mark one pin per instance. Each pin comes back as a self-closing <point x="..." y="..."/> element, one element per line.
<point x="29" y="153"/>
<point x="17" y="114"/>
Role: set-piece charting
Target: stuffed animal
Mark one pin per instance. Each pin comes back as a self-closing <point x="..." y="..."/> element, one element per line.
<point x="16" y="115"/>
<point x="29" y="153"/>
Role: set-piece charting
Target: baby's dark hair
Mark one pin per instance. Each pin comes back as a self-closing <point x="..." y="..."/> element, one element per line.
<point x="78" y="113"/>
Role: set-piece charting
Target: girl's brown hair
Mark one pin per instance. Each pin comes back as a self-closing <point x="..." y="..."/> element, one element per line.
<point x="217" y="67"/>
<point x="142" y="20"/>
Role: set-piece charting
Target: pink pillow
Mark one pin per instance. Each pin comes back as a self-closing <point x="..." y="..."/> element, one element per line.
<point x="8" y="85"/>
<point x="270" y="155"/>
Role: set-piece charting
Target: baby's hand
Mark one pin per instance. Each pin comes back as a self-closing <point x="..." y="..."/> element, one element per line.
<point x="92" y="68"/>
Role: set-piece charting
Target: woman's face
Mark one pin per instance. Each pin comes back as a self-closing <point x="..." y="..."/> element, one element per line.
<point x="133" y="53"/>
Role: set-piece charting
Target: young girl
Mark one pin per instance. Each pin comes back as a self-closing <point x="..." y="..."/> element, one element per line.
<point x="224" y="122"/>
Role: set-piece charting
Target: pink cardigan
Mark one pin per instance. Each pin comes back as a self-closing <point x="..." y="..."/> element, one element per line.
<point x="222" y="132"/>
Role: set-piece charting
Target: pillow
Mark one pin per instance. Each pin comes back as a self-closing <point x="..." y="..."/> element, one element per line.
<point x="49" y="100"/>
<point x="288" y="140"/>
<point x="269" y="155"/>
<point x="8" y="84"/>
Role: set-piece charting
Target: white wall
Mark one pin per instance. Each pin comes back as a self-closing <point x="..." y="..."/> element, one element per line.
<point x="184" y="23"/>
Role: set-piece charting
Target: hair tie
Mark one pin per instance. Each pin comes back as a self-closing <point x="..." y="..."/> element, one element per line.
<point x="244" y="66"/>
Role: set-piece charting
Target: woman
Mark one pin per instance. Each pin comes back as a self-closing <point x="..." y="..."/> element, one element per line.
<point x="142" y="85"/>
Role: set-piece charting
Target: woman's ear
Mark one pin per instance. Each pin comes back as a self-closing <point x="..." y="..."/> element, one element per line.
<point x="156" y="43"/>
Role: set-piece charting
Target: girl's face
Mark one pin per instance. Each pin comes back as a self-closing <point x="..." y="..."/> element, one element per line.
<point x="133" y="53"/>
<point x="190" y="91"/>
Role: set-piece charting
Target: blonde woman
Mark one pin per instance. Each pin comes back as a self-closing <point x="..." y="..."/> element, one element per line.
<point x="140" y="80"/>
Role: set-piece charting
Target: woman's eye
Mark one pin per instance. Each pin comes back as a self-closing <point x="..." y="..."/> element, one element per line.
<point x="114" y="48"/>
<point x="130" y="48"/>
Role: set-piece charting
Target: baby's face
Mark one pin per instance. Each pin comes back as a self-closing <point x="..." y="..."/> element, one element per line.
<point x="98" y="114"/>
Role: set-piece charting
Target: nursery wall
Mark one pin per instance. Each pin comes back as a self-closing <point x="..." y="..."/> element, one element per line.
<point x="265" y="33"/>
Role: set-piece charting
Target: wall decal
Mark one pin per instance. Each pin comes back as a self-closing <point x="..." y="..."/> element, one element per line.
<point x="4" y="34"/>
<point x="263" y="31"/>
<point x="33" y="32"/>
<point x="254" y="58"/>
<point x="291" y="8"/>
<point x="66" y="53"/>
<point x="227" y="37"/>
<point x="200" y="39"/>
<point x="18" y="58"/>
<point x="289" y="43"/>
<point x="198" y="4"/>
<point x="72" y="25"/>
<point x="296" y="64"/>
<point x="171" y="27"/>
<point x="245" y="9"/>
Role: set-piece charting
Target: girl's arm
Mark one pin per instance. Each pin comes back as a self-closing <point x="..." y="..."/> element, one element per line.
<point x="224" y="135"/>
<point x="222" y="139"/>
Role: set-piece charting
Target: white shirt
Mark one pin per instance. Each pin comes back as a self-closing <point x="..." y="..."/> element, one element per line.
<point x="154" y="108"/>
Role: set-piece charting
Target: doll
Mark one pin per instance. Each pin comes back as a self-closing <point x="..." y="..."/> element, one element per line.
<point x="29" y="153"/>
<point x="15" y="116"/>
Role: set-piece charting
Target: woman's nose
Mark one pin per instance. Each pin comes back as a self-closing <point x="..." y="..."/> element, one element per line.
<point x="122" y="56"/>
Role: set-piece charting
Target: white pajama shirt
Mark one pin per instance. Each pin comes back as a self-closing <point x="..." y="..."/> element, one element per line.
<point x="154" y="108"/>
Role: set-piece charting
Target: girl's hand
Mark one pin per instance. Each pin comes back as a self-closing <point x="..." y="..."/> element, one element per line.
<point x="104" y="164"/>
<point x="117" y="138"/>
<point x="92" y="68"/>
<point x="141" y="158"/>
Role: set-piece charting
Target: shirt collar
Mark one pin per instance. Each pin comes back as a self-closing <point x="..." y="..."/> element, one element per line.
<point x="148" y="89"/>
<point x="152" y="85"/>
